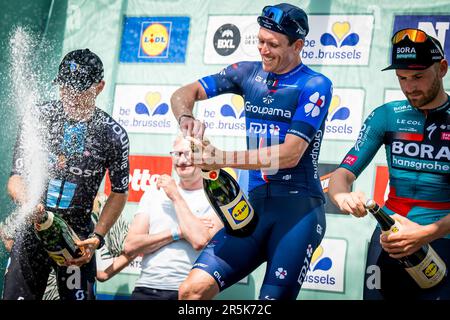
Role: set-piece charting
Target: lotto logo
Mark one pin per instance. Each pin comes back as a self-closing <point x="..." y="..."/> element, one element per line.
<point x="144" y="172"/>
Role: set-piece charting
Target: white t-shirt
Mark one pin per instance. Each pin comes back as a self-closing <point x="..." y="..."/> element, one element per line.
<point x="167" y="267"/>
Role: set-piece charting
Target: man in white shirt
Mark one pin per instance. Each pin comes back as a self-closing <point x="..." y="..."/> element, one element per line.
<point x="172" y="224"/>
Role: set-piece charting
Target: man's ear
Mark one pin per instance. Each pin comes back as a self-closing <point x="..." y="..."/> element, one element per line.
<point x="99" y="87"/>
<point x="299" y="44"/>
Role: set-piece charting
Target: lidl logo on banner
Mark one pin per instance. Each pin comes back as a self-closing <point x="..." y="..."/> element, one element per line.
<point x="327" y="268"/>
<point x="437" y="26"/>
<point x="154" y="39"/>
<point x="344" y="114"/>
<point x="144" y="172"/>
<point x="223" y="115"/>
<point x="338" y="40"/>
<point x="144" y="109"/>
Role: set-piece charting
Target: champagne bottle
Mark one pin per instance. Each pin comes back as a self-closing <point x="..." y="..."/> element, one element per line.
<point x="424" y="266"/>
<point x="229" y="202"/>
<point x="57" y="237"/>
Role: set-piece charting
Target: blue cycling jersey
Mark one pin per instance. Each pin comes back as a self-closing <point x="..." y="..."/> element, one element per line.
<point x="289" y="202"/>
<point x="276" y="105"/>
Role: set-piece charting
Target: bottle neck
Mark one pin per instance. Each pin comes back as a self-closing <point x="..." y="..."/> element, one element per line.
<point x="385" y="221"/>
<point x="46" y="221"/>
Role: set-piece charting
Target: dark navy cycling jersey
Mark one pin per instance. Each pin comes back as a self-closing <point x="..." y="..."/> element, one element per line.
<point x="417" y="147"/>
<point x="276" y="105"/>
<point x="79" y="153"/>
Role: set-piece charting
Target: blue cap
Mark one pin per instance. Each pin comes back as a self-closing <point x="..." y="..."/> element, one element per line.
<point x="80" y="69"/>
<point x="285" y="18"/>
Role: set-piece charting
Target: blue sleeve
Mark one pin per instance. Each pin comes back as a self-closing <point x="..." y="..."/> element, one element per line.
<point x="229" y="80"/>
<point x="312" y="107"/>
<point x="370" y="139"/>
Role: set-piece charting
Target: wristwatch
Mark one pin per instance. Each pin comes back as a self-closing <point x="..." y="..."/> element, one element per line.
<point x="100" y="237"/>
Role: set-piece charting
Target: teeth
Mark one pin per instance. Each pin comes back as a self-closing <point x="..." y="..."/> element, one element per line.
<point x="267" y="59"/>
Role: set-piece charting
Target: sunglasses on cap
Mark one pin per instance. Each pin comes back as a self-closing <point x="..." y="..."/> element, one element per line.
<point x="415" y="35"/>
<point x="274" y="14"/>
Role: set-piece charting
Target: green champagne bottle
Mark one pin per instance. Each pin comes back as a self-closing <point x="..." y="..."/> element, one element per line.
<point x="229" y="202"/>
<point x="424" y="266"/>
<point x="57" y="237"/>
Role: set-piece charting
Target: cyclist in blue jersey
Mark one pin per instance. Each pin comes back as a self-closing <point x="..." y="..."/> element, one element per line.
<point x="416" y="135"/>
<point x="286" y="104"/>
<point x="82" y="143"/>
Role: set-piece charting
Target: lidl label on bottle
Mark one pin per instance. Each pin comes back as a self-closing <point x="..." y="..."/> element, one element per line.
<point x="430" y="271"/>
<point x="239" y="212"/>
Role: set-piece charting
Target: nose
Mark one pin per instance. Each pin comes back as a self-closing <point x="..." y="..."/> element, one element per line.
<point x="410" y="86"/>
<point x="263" y="49"/>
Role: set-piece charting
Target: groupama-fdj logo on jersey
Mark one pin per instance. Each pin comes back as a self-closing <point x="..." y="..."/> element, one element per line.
<point x="278" y="112"/>
<point x="314" y="107"/>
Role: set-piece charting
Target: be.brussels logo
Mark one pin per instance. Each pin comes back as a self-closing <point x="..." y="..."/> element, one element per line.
<point x="223" y="115"/>
<point x="340" y="36"/>
<point x="144" y="173"/>
<point x="327" y="267"/>
<point x="344" y="114"/>
<point x="226" y="39"/>
<point x="338" y="40"/>
<point x="235" y="109"/>
<point x="154" y="39"/>
<point x="144" y="109"/>
<point x="152" y="106"/>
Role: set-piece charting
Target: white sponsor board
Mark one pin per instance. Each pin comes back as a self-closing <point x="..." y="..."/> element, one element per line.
<point x="344" y="114"/>
<point x="144" y="108"/>
<point x="230" y="39"/>
<point x="223" y="115"/>
<point x="327" y="268"/>
<point x="338" y="40"/>
<point x="332" y="40"/>
<point x="393" y="95"/>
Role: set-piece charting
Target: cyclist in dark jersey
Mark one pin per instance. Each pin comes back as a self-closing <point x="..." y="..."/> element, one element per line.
<point x="416" y="135"/>
<point x="286" y="104"/>
<point x="82" y="143"/>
